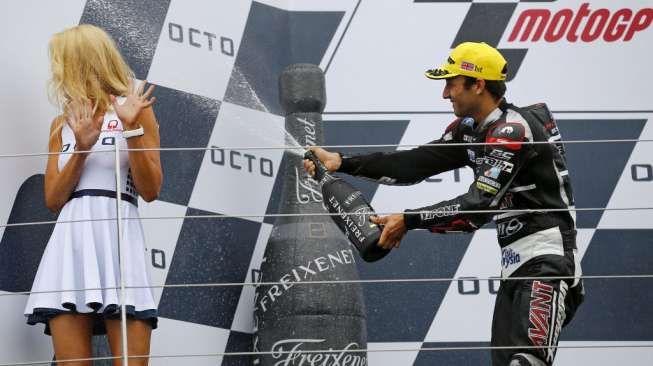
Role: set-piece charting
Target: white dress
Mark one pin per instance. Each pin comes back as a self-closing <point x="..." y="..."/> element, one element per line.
<point x="84" y="254"/>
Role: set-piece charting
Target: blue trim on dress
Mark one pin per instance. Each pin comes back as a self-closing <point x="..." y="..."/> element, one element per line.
<point x="111" y="312"/>
<point x="104" y="193"/>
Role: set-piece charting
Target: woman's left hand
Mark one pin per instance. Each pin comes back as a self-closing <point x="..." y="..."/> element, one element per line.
<point x="134" y="103"/>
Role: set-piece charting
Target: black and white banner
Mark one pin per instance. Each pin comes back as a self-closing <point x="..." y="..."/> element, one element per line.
<point x="216" y="64"/>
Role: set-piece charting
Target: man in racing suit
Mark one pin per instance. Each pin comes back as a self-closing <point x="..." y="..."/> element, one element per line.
<point x="510" y="174"/>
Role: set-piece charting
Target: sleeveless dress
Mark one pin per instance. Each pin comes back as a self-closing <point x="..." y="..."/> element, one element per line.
<point x="84" y="254"/>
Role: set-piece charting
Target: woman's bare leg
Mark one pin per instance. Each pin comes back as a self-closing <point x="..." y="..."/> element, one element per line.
<point x="71" y="338"/>
<point x="138" y="338"/>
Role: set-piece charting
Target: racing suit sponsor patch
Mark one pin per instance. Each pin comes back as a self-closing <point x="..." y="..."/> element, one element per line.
<point x="441" y="212"/>
<point x="387" y="180"/>
<point x="543" y="242"/>
<point x="489" y="182"/>
<point x="503" y="165"/>
<point x="540" y="313"/>
<point x="486" y="188"/>
<point x="501" y="154"/>
<point x="509" y="257"/>
<point x="468" y="121"/>
<point x="492" y="173"/>
<point x="509" y="228"/>
<point x="472" y="155"/>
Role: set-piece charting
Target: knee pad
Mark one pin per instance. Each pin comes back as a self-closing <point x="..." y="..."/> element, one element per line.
<point x="525" y="359"/>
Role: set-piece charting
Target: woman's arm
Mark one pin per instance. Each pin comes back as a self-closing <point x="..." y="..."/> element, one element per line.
<point x="145" y="165"/>
<point x="59" y="185"/>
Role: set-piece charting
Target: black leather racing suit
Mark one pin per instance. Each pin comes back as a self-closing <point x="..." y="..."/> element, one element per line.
<point x="509" y="176"/>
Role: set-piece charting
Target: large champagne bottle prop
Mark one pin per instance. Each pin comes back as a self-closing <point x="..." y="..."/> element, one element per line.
<point x="352" y="212"/>
<point x="293" y="317"/>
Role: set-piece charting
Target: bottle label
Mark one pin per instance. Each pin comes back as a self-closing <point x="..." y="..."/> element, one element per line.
<point x="305" y="188"/>
<point x="352" y="197"/>
<point x="348" y="222"/>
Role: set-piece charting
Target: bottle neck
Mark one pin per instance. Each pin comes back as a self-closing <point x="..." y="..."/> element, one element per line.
<point x="320" y="169"/>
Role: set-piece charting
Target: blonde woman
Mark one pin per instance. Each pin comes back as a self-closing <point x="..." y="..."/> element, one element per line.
<point x="100" y="108"/>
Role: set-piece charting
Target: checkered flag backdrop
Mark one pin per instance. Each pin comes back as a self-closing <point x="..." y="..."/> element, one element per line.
<point x="216" y="64"/>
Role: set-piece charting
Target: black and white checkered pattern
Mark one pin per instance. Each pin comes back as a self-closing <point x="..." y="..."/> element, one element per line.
<point x="216" y="68"/>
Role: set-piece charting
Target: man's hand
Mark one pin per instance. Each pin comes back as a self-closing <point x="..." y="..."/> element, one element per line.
<point x="330" y="160"/>
<point x="393" y="231"/>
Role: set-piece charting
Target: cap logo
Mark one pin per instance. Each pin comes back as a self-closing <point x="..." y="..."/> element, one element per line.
<point x="468" y="66"/>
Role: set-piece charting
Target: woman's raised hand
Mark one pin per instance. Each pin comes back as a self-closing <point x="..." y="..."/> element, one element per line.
<point x="85" y="127"/>
<point x="134" y="103"/>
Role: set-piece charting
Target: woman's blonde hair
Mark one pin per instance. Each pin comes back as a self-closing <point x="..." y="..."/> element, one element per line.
<point x="86" y="64"/>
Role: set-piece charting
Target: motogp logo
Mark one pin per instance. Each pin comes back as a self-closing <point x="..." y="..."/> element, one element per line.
<point x="534" y="22"/>
<point x="585" y="24"/>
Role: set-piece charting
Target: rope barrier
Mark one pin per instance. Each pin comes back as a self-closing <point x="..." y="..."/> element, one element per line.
<point x="354" y="146"/>
<point x="380" y="213"/>
<point x="345" y="282"/>
<point x="364" y="350"/>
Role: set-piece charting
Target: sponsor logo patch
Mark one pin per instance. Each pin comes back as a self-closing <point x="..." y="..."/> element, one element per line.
<point x="472" y="155"/>
<point x="540" y="313"/>
<point x="112" y="126"/>
<point x="509" y="257"/>
<point x="468" y="121"/>
<point x="468" y="66"/>
<point x="486" y="188"/>
<point x="500" y="154"/>
<point x="500" y="164"/>
<point x="507" y="130"/>
<point x="387" y="180"/>
<point x="508" y="228"/>
<point x="441" y="212"/>
<point x="489" y="182"/>
<point x="492" y="172"/>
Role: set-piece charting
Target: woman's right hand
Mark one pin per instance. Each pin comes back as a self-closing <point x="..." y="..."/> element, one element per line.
<point x="330" y="160"/>
<point x="85" y="127"/>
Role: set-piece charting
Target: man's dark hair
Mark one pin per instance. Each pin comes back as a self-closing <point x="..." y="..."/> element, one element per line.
<point x="496" y="88"/>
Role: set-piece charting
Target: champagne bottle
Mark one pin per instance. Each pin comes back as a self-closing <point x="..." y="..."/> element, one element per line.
<point x="353" y="212"/>
<point x="297" y="323"/>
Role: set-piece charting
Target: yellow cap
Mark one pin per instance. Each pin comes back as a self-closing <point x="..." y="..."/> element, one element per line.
<point x="478" y="60"/>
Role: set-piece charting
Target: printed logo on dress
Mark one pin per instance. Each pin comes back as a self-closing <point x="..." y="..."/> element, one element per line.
<point x="112" y="126"/>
